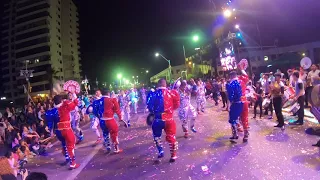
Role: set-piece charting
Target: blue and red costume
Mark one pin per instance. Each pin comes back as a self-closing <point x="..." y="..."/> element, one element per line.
<point x="104" y="109"/>
<point x="64" y="126"/>
<point x="52" y="118"/>
<point x="161" y="104"/>
<point x="244" y="79"/>
<point x="234" y="92"/>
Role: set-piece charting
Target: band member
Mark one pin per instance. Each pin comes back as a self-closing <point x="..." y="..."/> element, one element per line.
<point x="124" y="102"/>
<point x="299" y="97"/>
<point x="312" y="80"/>
<point x="64" y="108"/>
<point x="277" y="91"/>
<point x="94" y="120"/>
<point x="236" y="106"/>
<point x="266" y="89"/>
<point x="244" y="79"/>
<point x="161" y="104"/>
<point x="201" y="96"/>
<point x="75" y="121"/>
<point x="105" y="108"/>
<point x="258" y="94"/>
<point x="186" y="110"/>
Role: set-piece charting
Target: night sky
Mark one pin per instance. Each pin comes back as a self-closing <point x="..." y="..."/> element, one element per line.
<point x="123" y="35"/>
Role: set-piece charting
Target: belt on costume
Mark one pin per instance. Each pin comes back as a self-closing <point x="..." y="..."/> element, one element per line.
<point x="63" y="125"/>
<point x="106" y="119"/>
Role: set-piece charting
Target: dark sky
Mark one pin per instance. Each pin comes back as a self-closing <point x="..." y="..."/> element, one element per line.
<point x="123" y="35"/>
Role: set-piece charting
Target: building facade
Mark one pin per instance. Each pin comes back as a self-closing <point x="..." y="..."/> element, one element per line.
<point x="41" y="36"/>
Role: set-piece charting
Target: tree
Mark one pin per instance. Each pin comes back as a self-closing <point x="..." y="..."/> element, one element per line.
<point x="52" y="75"/>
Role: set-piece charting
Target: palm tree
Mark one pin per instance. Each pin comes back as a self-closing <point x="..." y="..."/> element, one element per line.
<point x="52" y="75"/>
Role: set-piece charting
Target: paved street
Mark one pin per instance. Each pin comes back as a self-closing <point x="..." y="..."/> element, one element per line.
<point x="208" y="154"/>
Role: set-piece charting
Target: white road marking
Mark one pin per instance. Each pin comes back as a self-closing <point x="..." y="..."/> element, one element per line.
<point x="84" y="163"/>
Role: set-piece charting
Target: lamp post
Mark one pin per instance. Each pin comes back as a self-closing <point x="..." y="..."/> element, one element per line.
<point x="27" y="74"/>
<point x="158" y="54"/>
<point x="119" y="76"/>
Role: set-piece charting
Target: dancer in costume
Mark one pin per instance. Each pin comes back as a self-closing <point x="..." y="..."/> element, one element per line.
<point x="201" y="96"/>
<point x="52" y="118"/>
<point x="93" y="118"/>
<point x="161" y="104"/>
<point x="105" y="108"/>
<point x="235" y="109"/>
<point x="64" y="108"/>
<point x="244" y="79"/>
<point x="124" y="102"/>
<point x="186" y="110"/>
<point x="75" y="121"/>
<point x="134" y="100"/>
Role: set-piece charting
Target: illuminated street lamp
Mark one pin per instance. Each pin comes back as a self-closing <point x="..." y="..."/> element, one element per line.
<point x="158" y="54"/>
<point x="227" y="13"/>
<point x="119" y="76"/>
<point x="195" y="38"/>
<point x="147" y="71"/>
<point x="237" y="26"/>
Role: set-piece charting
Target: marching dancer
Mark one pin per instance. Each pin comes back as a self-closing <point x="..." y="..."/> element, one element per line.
<point x="186" y="110"/>
<point x="236" y="105"/>
<point x="134" y="99"/>
<point x="161" y="105"/>
<point x="244" y="79"/>
<point x="64" y="108"/>
<point x="201" y="96"/>
<point x="94" y="119"/>
<point x="105" y="108"/>
<point x="299" y="97"/>
<point x="124" y="102"/>
<point x="75" y="121"/>
<point x="52" y="118"/>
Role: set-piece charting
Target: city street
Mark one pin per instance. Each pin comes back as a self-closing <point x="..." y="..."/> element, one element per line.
<point x="208" y="154"/>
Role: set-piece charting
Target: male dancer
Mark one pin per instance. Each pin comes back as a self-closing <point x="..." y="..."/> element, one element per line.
<point x="64" y="108"/>
<point x="201" y="96"/>
<point x="244" y="79"/>
<point x="124" y="103"/>
<point x="186" y="110"/>
<point x="52" y="118"/>
<point x="161" y="104"/>
<point x="105" y="108"/>
<point x="75" y="121"/>
<point x="94" y="119"/>
<point x="134" y="99"/>
<point x="235" y="109"/>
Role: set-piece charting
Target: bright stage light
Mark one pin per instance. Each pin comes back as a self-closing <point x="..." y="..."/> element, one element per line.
<point x="227" y="13"/>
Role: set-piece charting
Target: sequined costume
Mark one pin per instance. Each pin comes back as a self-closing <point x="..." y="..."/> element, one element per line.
<point x="75" y="123"/>
<point x="161" y="103"/>
<point x="244" y="79"/>
<point x="94" y="121"/>
<point x="234" y="93"/>
<point x="64" y="126"/>
<point x="124" y="103"/>
<point x="104" y="109"/>
<point x="52" y="118"/>
<point x="186" y="111"/>
<point x="134" y="100"/>
<point x="201" y="97"/>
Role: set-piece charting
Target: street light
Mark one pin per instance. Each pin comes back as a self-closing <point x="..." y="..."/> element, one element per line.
<point x="119" y="76"/>
<point x="158" y="54"/>
<point x="237" y="26"/>
<point x="227" y="13"/>
<point x="195" y="38"/>
<point x="147" y="71"/>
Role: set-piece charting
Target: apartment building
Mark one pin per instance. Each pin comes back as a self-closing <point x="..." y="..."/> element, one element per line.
<point x="41" y="36"/>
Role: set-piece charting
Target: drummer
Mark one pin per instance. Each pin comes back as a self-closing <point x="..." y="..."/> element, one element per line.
<point x="277" y="91"/>
<point x="265" y="84"/>
<point x="299" y="97"/>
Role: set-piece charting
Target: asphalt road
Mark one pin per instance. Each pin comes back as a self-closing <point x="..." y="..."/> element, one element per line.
<point x="208" y="154"/>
